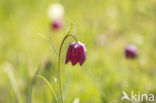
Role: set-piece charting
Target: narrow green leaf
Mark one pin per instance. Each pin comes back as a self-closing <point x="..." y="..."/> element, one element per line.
<point x="50" y="43"/>
<point x="50" y="86"/>
<point x="71" y="29"/>
<point x="8" y="70"/>
<point x="31" y="87"/>
<point x="71" y="26"/>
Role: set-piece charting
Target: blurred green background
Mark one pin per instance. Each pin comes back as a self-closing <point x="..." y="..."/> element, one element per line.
<point x="105" y="26"/>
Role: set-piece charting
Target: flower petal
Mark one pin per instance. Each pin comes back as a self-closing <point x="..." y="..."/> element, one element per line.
<point x="82" y="54"/>
<point x="74" y="55"/>
<point x="68" y="55"/>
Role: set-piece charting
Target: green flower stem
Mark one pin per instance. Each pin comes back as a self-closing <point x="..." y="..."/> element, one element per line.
<point x="59" y="66"/>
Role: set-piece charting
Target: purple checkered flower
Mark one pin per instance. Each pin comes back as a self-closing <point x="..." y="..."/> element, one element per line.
<point x="77" y="52"/>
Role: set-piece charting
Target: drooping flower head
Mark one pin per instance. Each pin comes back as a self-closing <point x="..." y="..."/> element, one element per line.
<point x="131" y="51"/>
<point x="77" y="53"/>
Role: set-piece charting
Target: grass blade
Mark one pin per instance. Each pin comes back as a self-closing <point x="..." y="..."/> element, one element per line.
<point x="71" y="29"/>
<point x="31" y="87"/>
<point x="71" y="26"/>
<point x="50" y="43"/>
<point x="50" y="86"/>
<point x="10" y="74"/>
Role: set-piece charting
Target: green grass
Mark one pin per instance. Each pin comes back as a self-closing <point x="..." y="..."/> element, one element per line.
<point x="105" y="26"/>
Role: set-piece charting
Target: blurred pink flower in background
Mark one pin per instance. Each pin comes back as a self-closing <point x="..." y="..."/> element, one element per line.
<point x="131" y="51"/>
<point x="57" y="24"/>
<point x="55" y="13"/>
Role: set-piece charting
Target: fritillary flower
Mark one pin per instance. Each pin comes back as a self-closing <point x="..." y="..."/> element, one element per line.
<point x="131" y="51"/>
<point x="77" y="53"/>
